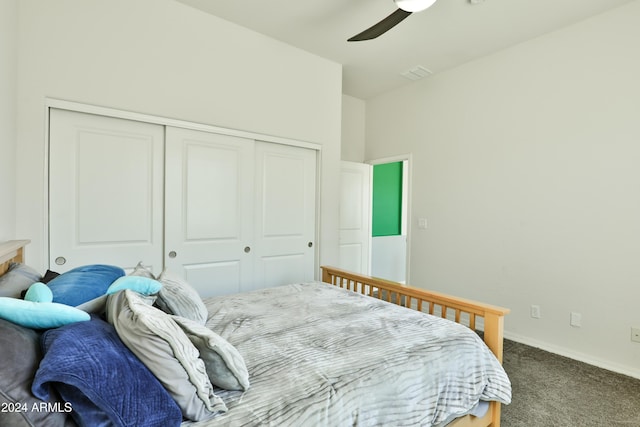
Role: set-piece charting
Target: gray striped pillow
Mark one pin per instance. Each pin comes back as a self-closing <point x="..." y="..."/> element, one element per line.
<point x="179" y="298"/>
<point x="142" y="271"/>
<point x="225" y="365"/>
<point x="166" y="350"/>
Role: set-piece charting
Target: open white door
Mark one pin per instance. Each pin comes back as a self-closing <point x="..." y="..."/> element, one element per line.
<point x="355" y="217"/>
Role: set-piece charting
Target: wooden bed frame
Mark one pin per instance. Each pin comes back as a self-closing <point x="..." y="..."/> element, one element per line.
<point x="463" y="311"/>
<point x="459" y="310"/>
<point x="11" y="251"/>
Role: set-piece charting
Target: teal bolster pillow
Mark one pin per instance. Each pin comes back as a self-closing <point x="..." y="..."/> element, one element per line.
<point x="39" y="292"/>
<point x="84" y="283"/>
<point x="139" y="284"/>
<point x="39" y="315"/>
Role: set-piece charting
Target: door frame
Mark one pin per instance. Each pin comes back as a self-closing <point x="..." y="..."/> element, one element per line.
<point x="406" y="202"/>
<point x="55" y="103"/>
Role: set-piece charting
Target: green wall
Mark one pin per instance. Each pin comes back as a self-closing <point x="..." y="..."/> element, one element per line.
<point x="387" y="199"/>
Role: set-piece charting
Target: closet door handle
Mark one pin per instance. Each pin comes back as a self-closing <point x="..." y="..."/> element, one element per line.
<point x="173" y="254"/>
<point x="61" y="260"/>
<point x="247" y="249"/>
<point x="310" y="244"/>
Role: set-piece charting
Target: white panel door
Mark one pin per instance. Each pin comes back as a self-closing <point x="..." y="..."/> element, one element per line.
<point x="284" y="244"/>
<point x="105" y="191"/>
<point x="209" y="210"/>
<point x="355" y="217"/>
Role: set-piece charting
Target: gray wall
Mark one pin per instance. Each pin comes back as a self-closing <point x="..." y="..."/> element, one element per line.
<point x="8" y="85"/>
<point x="163" y="58"/>
<point x="526" y="166"/>
<point x="353" y="129"/>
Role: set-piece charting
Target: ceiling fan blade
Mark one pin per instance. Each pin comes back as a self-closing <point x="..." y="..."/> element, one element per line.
<point x="381" y="27"/>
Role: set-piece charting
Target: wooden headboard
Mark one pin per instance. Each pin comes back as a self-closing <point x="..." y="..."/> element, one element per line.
<point x="11" y="251"/>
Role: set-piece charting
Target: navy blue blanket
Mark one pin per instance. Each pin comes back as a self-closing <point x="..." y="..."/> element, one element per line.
<point x="105" y="384"/>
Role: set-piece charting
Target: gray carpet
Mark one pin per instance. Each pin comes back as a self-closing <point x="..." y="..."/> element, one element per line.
<point x="551" y="390"/>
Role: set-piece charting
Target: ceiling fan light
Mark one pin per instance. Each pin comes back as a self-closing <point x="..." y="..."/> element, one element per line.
<point x="414" y="5"/>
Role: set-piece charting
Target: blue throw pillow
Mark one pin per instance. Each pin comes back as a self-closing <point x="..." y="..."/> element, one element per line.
<point x="84" y="283"/>
<point x="39" y="315"/>
<point x="104" y="381"/>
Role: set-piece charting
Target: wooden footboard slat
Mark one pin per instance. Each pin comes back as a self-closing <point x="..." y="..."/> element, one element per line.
<point x="465" y="312"/>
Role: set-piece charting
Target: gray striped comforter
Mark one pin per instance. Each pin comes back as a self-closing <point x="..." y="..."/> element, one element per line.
<point x="322" y="356"/>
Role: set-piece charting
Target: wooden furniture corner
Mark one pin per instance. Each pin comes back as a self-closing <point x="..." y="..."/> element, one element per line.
<point x="11" y="251"/>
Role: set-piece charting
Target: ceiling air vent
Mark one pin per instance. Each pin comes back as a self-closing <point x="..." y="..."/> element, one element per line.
<point x="416" y="73"/>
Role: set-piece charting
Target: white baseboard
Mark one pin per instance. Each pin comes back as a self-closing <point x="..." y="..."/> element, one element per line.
<point x="562" y="351"/>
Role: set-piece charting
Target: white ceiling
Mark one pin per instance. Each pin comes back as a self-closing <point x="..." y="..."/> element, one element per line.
<point x="448" y="34"/>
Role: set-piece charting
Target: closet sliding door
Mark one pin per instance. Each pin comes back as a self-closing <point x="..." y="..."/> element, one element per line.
<point x="285" y="214"/>
<point x="105" y="191"/>
<point x="209" y="182"/>
<point x="226" y="213"/>
<point x="240" y="214"/>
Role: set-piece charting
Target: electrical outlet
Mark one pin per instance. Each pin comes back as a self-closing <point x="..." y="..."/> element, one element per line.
<point x="535" y="311"/>
<point x="635" y="334"/>
<point x="576" y="319"/>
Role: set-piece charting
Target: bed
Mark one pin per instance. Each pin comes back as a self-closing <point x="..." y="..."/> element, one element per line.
<point x="350" y="350"/>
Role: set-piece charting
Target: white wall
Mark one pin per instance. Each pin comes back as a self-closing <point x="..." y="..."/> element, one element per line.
<point x="389" y="257"/>
<point x="353" y="128"/>
<point x="8" y="84"/>
<point x="163" y="58"/>
<point x="527" y="167"/>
